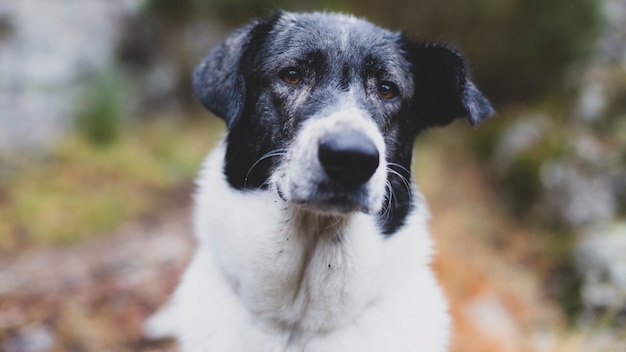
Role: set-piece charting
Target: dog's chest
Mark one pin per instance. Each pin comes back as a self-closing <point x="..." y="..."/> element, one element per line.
<point x="311" y="274"/>
<point x="289" y="267"/>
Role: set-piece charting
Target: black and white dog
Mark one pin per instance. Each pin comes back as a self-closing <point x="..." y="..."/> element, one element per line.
<point x="311" y="234"/>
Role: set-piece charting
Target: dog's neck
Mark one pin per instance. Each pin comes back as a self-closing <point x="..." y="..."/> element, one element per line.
<point x="312" y="276"/>
<point x="311" y="271"/>
<point x="312" y="225"/>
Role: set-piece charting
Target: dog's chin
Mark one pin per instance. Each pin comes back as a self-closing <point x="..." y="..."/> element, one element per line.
<point x="334" y="205"/>
<point x="329" y="204"/>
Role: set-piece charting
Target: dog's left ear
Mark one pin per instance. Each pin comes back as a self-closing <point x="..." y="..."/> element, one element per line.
<point x="219" y="81"/>
<point x="443" y="90"/>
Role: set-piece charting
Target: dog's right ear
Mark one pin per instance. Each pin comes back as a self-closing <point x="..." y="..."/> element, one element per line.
<point x="443" y="89"/>
<point x="219" y="81"/>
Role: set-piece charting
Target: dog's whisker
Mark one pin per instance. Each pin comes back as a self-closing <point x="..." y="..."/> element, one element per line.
<point x="338" y="220"/>
<point x="264" y="184"/>
<point x="270" y="154"/>
<point x="405" y="181"/>
<point x="395" y="172"/>
<point x="388" y="205"/>
<point x="399" y="167"/>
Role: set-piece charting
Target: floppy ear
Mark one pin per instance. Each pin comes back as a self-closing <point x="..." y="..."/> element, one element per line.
<point x="443" y="90"/>
<point x="218" y="81"/>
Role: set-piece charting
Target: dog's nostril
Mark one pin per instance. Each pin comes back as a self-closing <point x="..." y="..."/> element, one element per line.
<point x="348" y="157"/>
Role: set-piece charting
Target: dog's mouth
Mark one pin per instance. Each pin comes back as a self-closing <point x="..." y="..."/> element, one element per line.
<point x="330" y="202"/>
<point x="336" y="204"/>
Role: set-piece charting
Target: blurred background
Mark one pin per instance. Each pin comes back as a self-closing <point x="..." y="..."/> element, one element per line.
<point x="100" y="139"/>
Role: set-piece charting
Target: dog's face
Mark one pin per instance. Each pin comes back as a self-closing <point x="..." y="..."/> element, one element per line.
<point x="323" y="110"/>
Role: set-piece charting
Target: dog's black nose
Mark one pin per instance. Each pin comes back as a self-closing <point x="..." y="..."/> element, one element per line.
<point x="348" y="157"/>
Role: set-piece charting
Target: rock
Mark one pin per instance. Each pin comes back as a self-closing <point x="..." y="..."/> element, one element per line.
<point x="601" y="258"/>
<point x="35" y="338"/>
<point x="47" y="52"/>
<point x="575" y="197"/>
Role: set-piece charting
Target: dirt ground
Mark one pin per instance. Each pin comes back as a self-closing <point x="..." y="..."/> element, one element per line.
<point x="95" y="296"/>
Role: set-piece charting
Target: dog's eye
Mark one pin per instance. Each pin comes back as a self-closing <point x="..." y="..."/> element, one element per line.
<point x="290" y="75"/>
<point x="387" y="90"/>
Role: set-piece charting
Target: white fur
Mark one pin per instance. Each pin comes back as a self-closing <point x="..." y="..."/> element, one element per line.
<point x="270" y="276"/>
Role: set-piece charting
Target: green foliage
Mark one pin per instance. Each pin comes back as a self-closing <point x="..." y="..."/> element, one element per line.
<point x="521" y="179"/>
<point x="101" y="113"/>
<point x="82" y="190"/>
<point x="616" y="107"/>
<point x="519" y="50"/>
<point x="228" y="11"/>
<point x="518" y="175"/>
<point x="242" y="10"/>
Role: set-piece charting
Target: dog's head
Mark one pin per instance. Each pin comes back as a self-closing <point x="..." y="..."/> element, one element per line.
<point x="323" y="109"/>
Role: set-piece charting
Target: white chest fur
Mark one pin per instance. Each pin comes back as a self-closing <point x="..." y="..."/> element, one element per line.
<point x="270" y="277"/>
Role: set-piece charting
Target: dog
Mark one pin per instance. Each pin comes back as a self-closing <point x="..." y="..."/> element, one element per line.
<point x="311" y="235"/>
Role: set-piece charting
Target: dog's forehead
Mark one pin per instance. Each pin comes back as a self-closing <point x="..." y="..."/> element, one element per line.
<point x="296" y="34"/>
<point x="332" y="28"/>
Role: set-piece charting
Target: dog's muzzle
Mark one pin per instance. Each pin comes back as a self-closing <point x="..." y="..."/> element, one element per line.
<point x="349" y="158"/>
<point x="335" y="165"/>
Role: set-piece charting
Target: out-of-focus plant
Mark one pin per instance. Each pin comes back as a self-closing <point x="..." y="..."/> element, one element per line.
<point x="520" y="49"/>
<point x="102" y="109"/>
<point x="231" y="12"/>
<point x="81" y="190"/>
